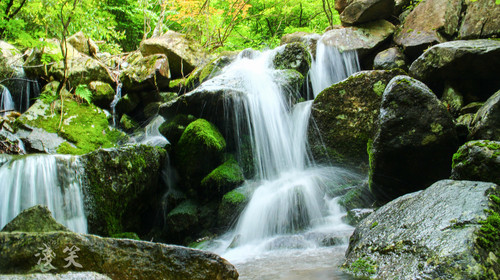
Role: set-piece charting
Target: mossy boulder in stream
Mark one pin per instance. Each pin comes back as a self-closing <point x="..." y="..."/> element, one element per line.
<point x="199" y="150"/>
<point x="173" y="128"/>
<point x="477" y="160"/>
<point x="451" y="230"/>
<point x="231" y="206"/>
<point x="222" y="179"/>
<point x="293" y="56"/>
<point x="123" y="188"/>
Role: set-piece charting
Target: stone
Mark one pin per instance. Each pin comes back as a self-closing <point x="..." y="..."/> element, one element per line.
<point x="34" y="219"/>
<point x="293" y="56"/>
<point x="222" y="179"/>
<point x="469" y="66"/>
<point x="486" y="123"/>
<point x="453" y="100"/>
<point x="11" y="60"/>
<point x="363" y="38"/>
<point x="128" y="123"/>
<point x="231" y="206"/>
<point x="183" y="53"/>
<point x="102" y="94"/>
<point x="150" y="73"/>
<point x="344" y="118"/>
<point x="121" y="194"/>
<point x="431" y="22"/>
<point x="480" y="20"/>
<point x="114" y="258"/>
<point x="477" y="160"/>
<point x="173" y="128"/>
<point x="205" y="72"/>
<point x="355" y="216"/>
<point x="127" y="103"/>
<point x="389" y="59"/>
<point x="308" y="39"/>
<point x="362" y="11"/>
<point x="416" y="136"/>
<point x="83" y="44"/>
<point x="184" y="217"/>
<point x="37" y="140"/>
<point x="448" y="231"/>
<point x="60" y="276"/>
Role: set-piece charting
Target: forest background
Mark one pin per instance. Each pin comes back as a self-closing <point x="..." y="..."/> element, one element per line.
<point x="120" y="25"/>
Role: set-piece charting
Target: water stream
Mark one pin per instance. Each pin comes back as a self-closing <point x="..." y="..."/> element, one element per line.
<point x="6" y="102"/>
<point x="290" y="218"/>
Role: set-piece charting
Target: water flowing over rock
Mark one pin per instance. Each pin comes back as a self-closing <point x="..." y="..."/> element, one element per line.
<point x="344" y="117"/>
<point x="468" y="66"/>
<point x="477" y="161"/>
<point x="364" y="38"/>
<point x="432" y="21"/>
<point x="55" y="181"/>
<point x="448" y="231"/>
<point x="416" y="136"/>
<point x="486" y="123"/>
<point x="361" y="11"/>
<point x="480" y="20"/>
<point x="183" y="54"/>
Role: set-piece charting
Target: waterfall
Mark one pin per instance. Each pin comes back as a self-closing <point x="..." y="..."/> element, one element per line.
<point x="118" y="96"/>
<point x="331" y="66"/>
<point x="6" y="102"/>
<point x="51" y="180"/>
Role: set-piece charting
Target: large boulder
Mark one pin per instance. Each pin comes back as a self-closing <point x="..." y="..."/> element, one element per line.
<point x="480" y="20"/>
<point x="222" y="179"/>
<point x="102" y="94"/>
<point x="123" y="187"/>
<point x="477" y="161"/>
<point x="361" y="11"/>
<point x="345" y="115"/>
<point x="293" y="56"/>
<point x="83" y="44"/>
<point x="448" y="231"/>
<point x="11" y="60"/>
<point x="34" y="219"/>
<point x="486" y="123"/>
<point x="115" y="258"/>
<point x="145" y="73"/>
<point x="183" y="53"/>
<point x="416" y="136"/>
<point x="390" y="58"/>
<point x="468" y="66"/>
<point x="231" y="206"/>
<point x="205" y="72"/>
<point x="431" y="22"/>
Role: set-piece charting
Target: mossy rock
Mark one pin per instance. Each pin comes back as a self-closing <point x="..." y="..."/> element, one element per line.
<point x="203" y="73"/>
<point x="232" y="204"/>
<point x="102" y="94"/>
<point x="199" y="150"/>
<point x="122" y="190"/>
<point x="128" y="124"/>
<point x="222" y="179"/>
<point x="34" y="219"/>
<point x="173" y="128"/>
<point x="293" y="56"/>
<point x="126" y="235"/>
<point x="84" y="126"/>
<point x="477" y="161"/>
<point x="183" y="217"/>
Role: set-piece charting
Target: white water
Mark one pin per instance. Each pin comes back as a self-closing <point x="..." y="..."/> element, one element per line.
<point x="331" y="66"/>
<point x="6" y="102"/>
<point x="289" y="209"/>
<point x="51" y="180"/>
<point x="150" y="134"/>
<point x="118" y="96"/>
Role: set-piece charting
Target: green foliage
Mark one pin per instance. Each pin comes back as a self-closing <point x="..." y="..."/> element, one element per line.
<point x="83" y="92"/>
<point x="363" y="267"/>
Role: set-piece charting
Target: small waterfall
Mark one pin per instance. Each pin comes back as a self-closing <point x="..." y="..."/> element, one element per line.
<point x="6" y="102"/>
<point x="51" y="180"/>
<point x="118" y="96"/>
<point x="151" y="135"/>
<point x="331" y="66"/>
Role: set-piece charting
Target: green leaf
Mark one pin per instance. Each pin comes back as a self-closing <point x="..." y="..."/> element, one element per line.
<point x="84" y="93"/>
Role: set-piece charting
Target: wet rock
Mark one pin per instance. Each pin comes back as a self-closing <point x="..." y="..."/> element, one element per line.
<point x="344" y="117"/>
<point x="83" y="44"/>
<point x="145" y="73"/>
<point x="391" y="58"/>
<point x="205" y="72"/>
<point x="122" y="190"/>
<point x="183" y="218"/>
<point x="173" y="128"/>
<point x="231" y="206"/>
<point x="468" y="66"/>
<point x="431" y="22"/>
<point x="364" y="38"/>
<point x="11" y="60"/>
<point x="477" y="161"/>
<point x="61" y="276"/>
<point x="293" y="56"/>
<point x="222" y="179"/>
<point x="308" y="39"/>
<point x="361" y="11"/>
<point x="480" y="20"/>
<point x="183" y="54"/>
<point x="37" y="140"/>
<point x="416" y="135"/>
<point x="448" y="231"/>
<point x="102" y="94"/>
<point x="34" y="219"/>
<point x="486" y="123"/>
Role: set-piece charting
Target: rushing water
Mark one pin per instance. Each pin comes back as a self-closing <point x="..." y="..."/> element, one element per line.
<point x="49" y="180"/>
<point x="6" y="102"/>
<point x="290" y="215"/>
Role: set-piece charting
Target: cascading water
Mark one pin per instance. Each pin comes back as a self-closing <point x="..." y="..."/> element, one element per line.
<point x="289" y="208"/>
<point x="51" y="180"/>
<point x="118" y="96"/>
<point x="6" y="102"/>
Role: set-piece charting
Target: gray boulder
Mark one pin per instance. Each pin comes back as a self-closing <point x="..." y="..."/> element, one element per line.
<point x="486" y="123"/>
<point x="469" y="66"/>
<point x="448" y="231"/>
<point x="391" y="58"/>
<point x="83" y="44"/>
<point x="361" y="11"/>
<point x="477" y="160"/>
<point x="344" y="117"/>
<point x="416" y="136"/>
<point x="145" y="73"/>
<point x="480" y="20"/>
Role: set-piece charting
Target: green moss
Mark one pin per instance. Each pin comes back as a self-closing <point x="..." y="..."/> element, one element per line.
<point x="234" y="197"/>
<point x="373" y="225"/>
<point x="379" y="88"/>
<point x="203" y="132"/>
<point x="126" y="235"/>
<point x="363" y="268"/>
<point x="489" y="233"/>
<point x="224" y="178"/>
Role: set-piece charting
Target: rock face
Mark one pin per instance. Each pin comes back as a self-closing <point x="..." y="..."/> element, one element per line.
<point x="363" y="38"/>
<point x="448" y="231"/>
<point x="361" y="11"/>
<point x="146" y="73"/>
<point x="486" y="123"/>
<point x="468" y="66"/>
<point x="391" y="58"/>
<point x="115" y="258"/>
<point x="478" y="161"/>
<point x="183" y="54"/>
<point x="35" y="219"/>
<point x="10" y="58"/>
<point x="123" y="187"/>
<point x="480" y="20"/>
<point x="83" y="44"/>
<point x="345" y="116"/>
<point x="416" y="136"/>
<point x="432" y="21"/>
